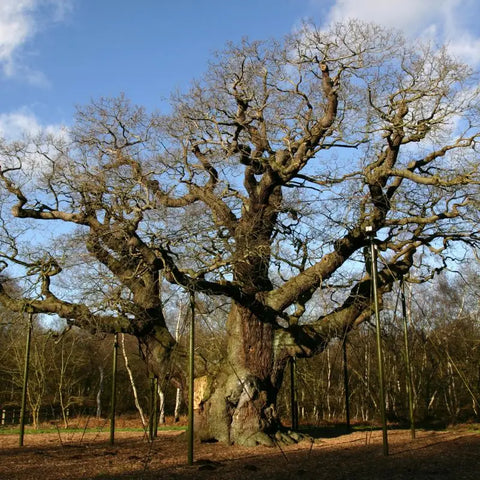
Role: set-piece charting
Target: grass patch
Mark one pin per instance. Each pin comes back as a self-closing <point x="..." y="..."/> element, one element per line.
<point x="473" y="427"/>
<point x="31" y="431"/>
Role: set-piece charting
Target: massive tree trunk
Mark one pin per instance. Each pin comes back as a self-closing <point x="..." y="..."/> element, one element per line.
<point x="239" y="404"/>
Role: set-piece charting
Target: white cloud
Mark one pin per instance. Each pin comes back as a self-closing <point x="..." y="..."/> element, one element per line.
<point x="408" y="15"/>
<point x="16" y="26"/>
<point x="466" y="47"/>
<point x="446" y="21"/>
<point x="20" y="21"/>
<point x="23" y="123"/>
<point x="17" y="124"/>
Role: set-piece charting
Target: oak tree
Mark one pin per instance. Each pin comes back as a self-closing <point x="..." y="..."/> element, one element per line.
<point x="257" y="187"/>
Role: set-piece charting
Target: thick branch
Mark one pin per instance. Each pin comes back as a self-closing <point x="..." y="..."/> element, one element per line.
<point x="313" y="277"/>
<point x="306" y="340"/>
<point x="42" y="212"/>
<point x="78" y="314"/>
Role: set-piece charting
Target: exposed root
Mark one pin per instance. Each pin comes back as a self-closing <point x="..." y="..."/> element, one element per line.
<point x="290" y="437"/>
<point x="287" y="437"/>
<point x="258" y="438"/>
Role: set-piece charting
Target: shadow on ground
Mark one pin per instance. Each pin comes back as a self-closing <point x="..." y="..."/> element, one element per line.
<point x="434" y="455"/>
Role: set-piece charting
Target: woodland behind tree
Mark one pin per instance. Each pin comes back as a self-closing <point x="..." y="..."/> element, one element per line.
<point x="444" y="346"/>
<point x="255" y="190"/>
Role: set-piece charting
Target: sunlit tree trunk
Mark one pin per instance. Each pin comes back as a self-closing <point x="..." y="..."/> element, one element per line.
<point x="132" y="381"/>
<point x="241" y="407"/>
<point x="161" y="404"/>
<point x="100" y="392"/>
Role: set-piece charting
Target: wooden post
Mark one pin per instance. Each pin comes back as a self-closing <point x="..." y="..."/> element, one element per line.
<point x="25" y="378"/>
<point x="381" y="377"/>
<point x="151" y="418"/>
<point x="407" y="363"/>
<point x="155" y="407"/>
<point x="114" y="390"/>
<point x="191" y="373"/>
<point x="346" y="383"/>
<point x="293" y="393"/>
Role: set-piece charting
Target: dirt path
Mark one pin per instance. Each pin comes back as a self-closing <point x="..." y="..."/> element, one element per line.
<point x="453" y="454"/>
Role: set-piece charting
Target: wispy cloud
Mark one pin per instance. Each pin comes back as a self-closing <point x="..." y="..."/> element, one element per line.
<point x="36" y="139"/>
<point x="446" y="21"/>
<point x="20" y="21"/>
<point x="23" y="123"/>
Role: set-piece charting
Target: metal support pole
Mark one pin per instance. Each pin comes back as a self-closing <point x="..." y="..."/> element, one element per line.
<point x="114" y="389"/>
<point x="155" y="407"/>
<point x="346" y="383"/>
<point x="381" y="377"/>
<point x="151" y="418"/>
<point x="293" y="393"/>
<point x="191" y="373"/>
<point x="25" y="378"/>
<point x="407" y="362"/>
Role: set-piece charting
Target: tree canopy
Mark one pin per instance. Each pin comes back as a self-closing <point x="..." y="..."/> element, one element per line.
<point x="258" y="186"/>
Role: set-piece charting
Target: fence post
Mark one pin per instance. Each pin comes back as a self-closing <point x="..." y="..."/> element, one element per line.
<point x="293" y="393"/>
<point x="25" y="378"/>
<point x="114" y="389"/>
<point x="381" y="377"/>
<point x="346" y="383"/>
<point x="191" y="373"/>
<point x="407" y="362"/>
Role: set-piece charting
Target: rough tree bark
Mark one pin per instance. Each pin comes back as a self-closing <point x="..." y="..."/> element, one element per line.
<point x="241" y="400"/>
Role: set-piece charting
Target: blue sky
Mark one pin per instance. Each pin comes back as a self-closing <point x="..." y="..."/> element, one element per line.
<point x="55" y="54"/>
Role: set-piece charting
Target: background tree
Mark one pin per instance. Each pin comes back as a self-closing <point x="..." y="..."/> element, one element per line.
<point x="40" y="367"/>
<point x="257" y="188"/>
<point x="444" y="339"/>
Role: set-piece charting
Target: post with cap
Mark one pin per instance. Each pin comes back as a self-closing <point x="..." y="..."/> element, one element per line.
<point x="381" y="377"/>
<point x="114" y="388"/>
<point x="191" y="383"/>
<point x="25" y="378"/>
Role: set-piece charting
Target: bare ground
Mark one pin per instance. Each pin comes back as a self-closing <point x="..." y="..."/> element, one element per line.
<point x="439" y="455"/>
